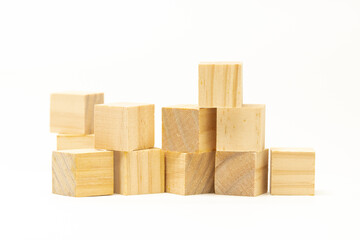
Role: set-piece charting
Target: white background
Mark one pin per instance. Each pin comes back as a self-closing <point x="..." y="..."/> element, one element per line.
<point x="301" y="58"/>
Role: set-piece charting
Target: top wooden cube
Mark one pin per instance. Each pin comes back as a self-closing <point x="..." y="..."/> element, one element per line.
<point x="188" y="128"/>
<point x="124" y="126"/>
<point x="220" y="84"/>
<point x="241" y="129"/>
<point x="73" y="112"/>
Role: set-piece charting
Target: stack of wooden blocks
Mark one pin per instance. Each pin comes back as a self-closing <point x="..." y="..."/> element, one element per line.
<point x="217" y="146"/>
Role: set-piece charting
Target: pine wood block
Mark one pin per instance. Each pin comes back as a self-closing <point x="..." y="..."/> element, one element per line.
<point x="241" y="129"/>
<point x="292" y="171"/>
<point x="188" y="128"/>
<point x="124" y="126"/>
<point x="189" y="173"/>
<point x="220" y="84"/>
<point x="241" y="173"/>
<point x="139" y="172"/>
<point x="75" y="141"/>
<point x="73" y="112"/>
<point x="82" y="172"/>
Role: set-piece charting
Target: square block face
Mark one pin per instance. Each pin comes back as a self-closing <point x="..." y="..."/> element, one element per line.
<point x="73" y="112"/>
<point x="241" y="129"/>
<point x="75" y="141"/>
<point x="220" y="85"/>
<point x="83" y="172"/>
<point x="188" y="128"/>
<point x="139" y="172"/>
<point x="292" y="171"/>
<point x="124" y="126"/>
<point x="189" y="173"/>
<point x="241" y="173"/>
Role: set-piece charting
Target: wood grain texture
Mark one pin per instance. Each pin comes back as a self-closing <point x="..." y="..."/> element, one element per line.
<point x="139" y="172"/>
<point x="75" y="141"/>
<point x="124" y="126"/>
<point x="73" y="112"/>
<point x="241" y="173"/>
<point x="188" y="128"/>
<point x="82" y="172"/>
<point x="220" y="84"/>
<point x="241" y="129"/>
<point x="292" y="171"/>
<point x="189" y="173"/>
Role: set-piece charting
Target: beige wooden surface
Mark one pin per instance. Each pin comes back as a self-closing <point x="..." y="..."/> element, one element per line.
<point x="188" y="128"/>
<point x="82" y="172"/>
<point x="139" y="172"/>
<point x="124" y="126"/>
<point x="75" y="141"/>
<point x="241" y="173"/>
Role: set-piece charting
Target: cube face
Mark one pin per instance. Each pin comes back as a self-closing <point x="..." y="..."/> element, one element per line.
<point x="241" y="129"/>
<point x="139" y="172"/>
<point x="124" y="126"/>
<point x="73" y="112"/>
<point x="83" y="173"/>
<point x="188" y="128"/>
<point x="292" y="171"/>
<point x="75" y="141"/>
<point x="220" y="85"/>
<point x="241" y="173"/>
<point x="189" y="173"/>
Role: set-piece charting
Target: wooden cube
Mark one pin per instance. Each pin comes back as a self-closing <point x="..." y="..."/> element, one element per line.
<point x="75" y="141"/>
<point x="241" y="129"/>
<point x="220" y="84"/>
<point x="292" y="171"/>
<point x="124" y="126"/>
<point x="241" y="173"/>
<point x="82" y="172"/>
<point x="73" y="112"/>
<point x="189" y="173"/>
<point x="188" y="128"/>
<point x="139" y="172"/>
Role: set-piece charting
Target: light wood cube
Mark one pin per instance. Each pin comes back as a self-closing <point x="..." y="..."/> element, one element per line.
<point x="82" y="172"/>
<point x="139" y="172"/>
<point x="241" y="173"/>
<point x="73" y="112"/>
<point x="292" y="171"/>
<point x="188" y="128"/>
<point x="220" y="84"/>
<point x="189" y="173"/>
<point x="124" y="126"/>
<point x="241" y="129"/>
<point x="75" y="141"/>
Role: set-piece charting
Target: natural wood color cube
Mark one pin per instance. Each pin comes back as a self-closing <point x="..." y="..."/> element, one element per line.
<point x="82" y="172"/>
<point x="241" y="129"/>
<point x="75" y="141"/>
<point x="73" y="112"/>
<point x="220" y="84"/>
<point x="189" y="173"/>
<point x="139" y="172"/>
<point x="124" y="126"/>
<point x="241" y="173"/>
<point x="188" y="128"/>
<point x="292" y="171"/>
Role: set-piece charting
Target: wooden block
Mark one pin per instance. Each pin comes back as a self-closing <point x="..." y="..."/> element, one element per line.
<point x="189" y="173"/>
<point x="139" y="172"/>
<point x="124" y="126"/>
<point x="82" y="172"/>
<point x="73" y="112"/>
<point x="241" y="173"/>
<point x="292" y="171"/>
<point x="188" y="128"/>
<point x="220" y="84"/>
<point x="241" y="129"/>
<point x="75" y="141"/>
